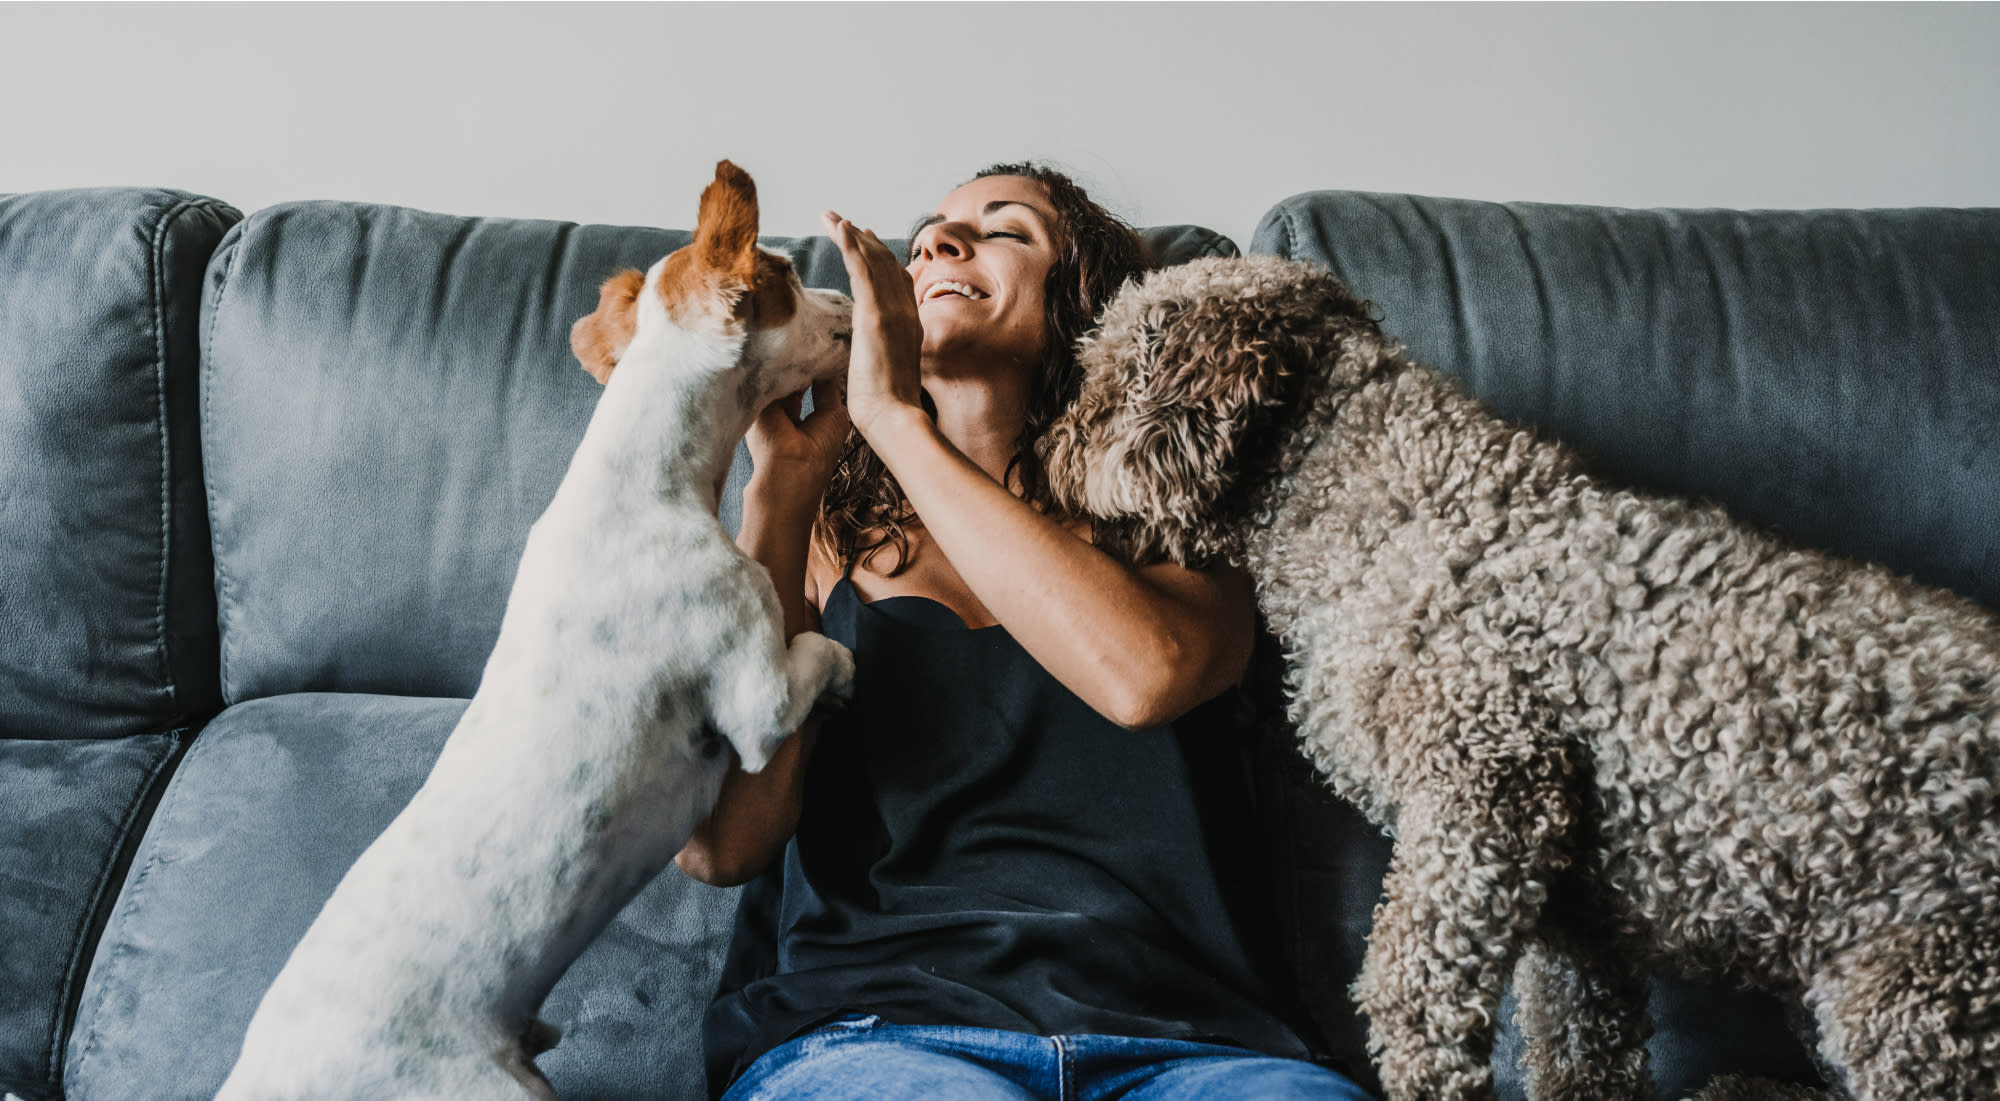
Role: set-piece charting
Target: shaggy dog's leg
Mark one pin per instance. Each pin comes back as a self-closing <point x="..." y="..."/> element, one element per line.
<point x="1583" y="1016"/>
<point x="1914" y="1014"/>
<point x="1482" y="833"/>
<point x="1735" y="1088"/>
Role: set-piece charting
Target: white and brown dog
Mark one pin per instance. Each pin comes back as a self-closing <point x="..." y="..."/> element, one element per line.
<point x="579" y="769"/>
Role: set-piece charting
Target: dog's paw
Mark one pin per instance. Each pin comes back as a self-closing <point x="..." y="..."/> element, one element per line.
<point x="840" y="684"/>
<point x="753" y="757"/>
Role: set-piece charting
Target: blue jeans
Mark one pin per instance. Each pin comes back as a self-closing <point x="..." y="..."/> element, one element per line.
<point x="868" y="1058"/>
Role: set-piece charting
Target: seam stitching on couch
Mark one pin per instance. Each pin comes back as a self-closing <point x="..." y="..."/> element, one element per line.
<point x="206" y="379"/>
<point x="157" y="255"/>
<point x="76" y="966"/>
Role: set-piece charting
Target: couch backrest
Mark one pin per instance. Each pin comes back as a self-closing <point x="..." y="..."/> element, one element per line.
<point x="107" y="615"/>
<point x="389" y="401"/>
<point x="1831" y="374"/>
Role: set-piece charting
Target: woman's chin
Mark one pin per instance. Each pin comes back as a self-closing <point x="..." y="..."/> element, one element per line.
<point x="954" y="352"/>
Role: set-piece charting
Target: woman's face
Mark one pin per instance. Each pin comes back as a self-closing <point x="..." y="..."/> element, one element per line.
<point x="979" y="264"/>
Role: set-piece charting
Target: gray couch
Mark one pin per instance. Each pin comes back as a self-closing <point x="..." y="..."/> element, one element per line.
<point x="263" y="483"/>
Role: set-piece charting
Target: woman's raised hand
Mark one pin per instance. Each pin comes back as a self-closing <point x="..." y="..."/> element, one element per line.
<point x="884" y="378"/>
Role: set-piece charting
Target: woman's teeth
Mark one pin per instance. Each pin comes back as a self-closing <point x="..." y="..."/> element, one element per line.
<point x="951" y="286"/>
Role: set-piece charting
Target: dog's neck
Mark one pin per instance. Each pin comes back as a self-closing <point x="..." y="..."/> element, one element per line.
<point x="669" y="419"/>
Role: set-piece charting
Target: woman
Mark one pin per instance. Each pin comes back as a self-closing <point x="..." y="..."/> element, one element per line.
<point x="1018" y="852"/>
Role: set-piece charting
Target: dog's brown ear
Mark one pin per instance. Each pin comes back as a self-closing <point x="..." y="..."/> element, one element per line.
<point x="600" y="337"/>
<point x="725" y="235"/>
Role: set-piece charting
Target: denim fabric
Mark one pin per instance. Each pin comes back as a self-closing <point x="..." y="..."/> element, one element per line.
<point x="865" y="1057"/>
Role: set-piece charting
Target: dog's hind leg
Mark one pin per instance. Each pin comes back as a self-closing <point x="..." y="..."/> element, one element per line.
<point x="1583" y="1018"/>
<point x="1914" y="1014"/>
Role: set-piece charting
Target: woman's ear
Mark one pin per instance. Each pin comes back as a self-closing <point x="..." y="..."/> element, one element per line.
<point x="600" y="337"/>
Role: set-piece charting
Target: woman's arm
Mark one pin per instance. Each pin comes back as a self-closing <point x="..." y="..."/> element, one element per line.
<point x="1141" y="646"/>
<point x="756" y="813"/>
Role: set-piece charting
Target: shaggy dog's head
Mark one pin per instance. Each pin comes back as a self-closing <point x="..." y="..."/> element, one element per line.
<point x="1190" y="383"/>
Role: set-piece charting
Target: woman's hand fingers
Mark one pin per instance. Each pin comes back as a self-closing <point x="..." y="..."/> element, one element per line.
<point x="883" y="372"/>
<point x="841" y="232"/>
<point x="771" y="431"/>
<point x="800" y="453"/>
<point x="872" y="269"/>
<point x="829" y="422"/>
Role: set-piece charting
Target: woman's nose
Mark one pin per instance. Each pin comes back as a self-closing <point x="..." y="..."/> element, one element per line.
<point x="938" y="241"/>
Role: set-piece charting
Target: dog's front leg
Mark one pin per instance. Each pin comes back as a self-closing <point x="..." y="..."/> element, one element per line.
<point x="1473" y="859"/>
<point x="763" y="688"/>
<point x="1582" y="1014"/>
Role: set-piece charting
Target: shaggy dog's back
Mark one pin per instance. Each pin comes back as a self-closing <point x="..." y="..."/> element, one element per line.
<point x="1782" y="747"/>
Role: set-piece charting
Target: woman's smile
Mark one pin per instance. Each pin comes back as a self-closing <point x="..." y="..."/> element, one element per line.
<point x="950" y="288"/>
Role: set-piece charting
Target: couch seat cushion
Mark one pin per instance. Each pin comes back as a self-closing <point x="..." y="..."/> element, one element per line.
<point x="271" y="805"/>
<point x="74" y="809"/>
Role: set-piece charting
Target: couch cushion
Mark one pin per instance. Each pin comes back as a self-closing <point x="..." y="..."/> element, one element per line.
<point x="1831" y="374"/>
<point x="268" y="810"/>
<point x="389" y="403"/>
<point x="105" y="584"/>
<point x="74" y="810"/>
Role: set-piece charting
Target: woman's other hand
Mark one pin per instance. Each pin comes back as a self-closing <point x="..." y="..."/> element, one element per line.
<point x="792" y="456"/>
<point x="884" y="374"/>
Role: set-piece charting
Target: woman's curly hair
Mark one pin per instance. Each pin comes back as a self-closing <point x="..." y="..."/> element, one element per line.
<point x="864" y="509"/>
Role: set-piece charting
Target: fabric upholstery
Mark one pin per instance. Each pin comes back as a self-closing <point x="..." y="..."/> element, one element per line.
<point x="1831" y="375"/>
<point x="389" y="401"/>
<point x="269" y="808"/>
<point x="74" y="809"/>
<point x="104" y="569"/>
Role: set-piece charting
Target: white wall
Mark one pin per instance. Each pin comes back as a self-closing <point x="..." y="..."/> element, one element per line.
<point x="1172" y="113"/>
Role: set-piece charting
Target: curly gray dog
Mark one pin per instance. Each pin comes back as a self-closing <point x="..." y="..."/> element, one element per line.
<point x="1613" y="733"/>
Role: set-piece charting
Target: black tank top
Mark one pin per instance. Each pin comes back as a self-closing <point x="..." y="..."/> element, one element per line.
<point x="978" y="847"/>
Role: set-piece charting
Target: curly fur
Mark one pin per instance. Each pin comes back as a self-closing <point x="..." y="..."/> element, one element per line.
<point x="1733" y="758"/>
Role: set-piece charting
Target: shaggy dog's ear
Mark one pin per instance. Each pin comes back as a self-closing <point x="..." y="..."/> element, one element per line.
<point x="1189" y="384"/>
